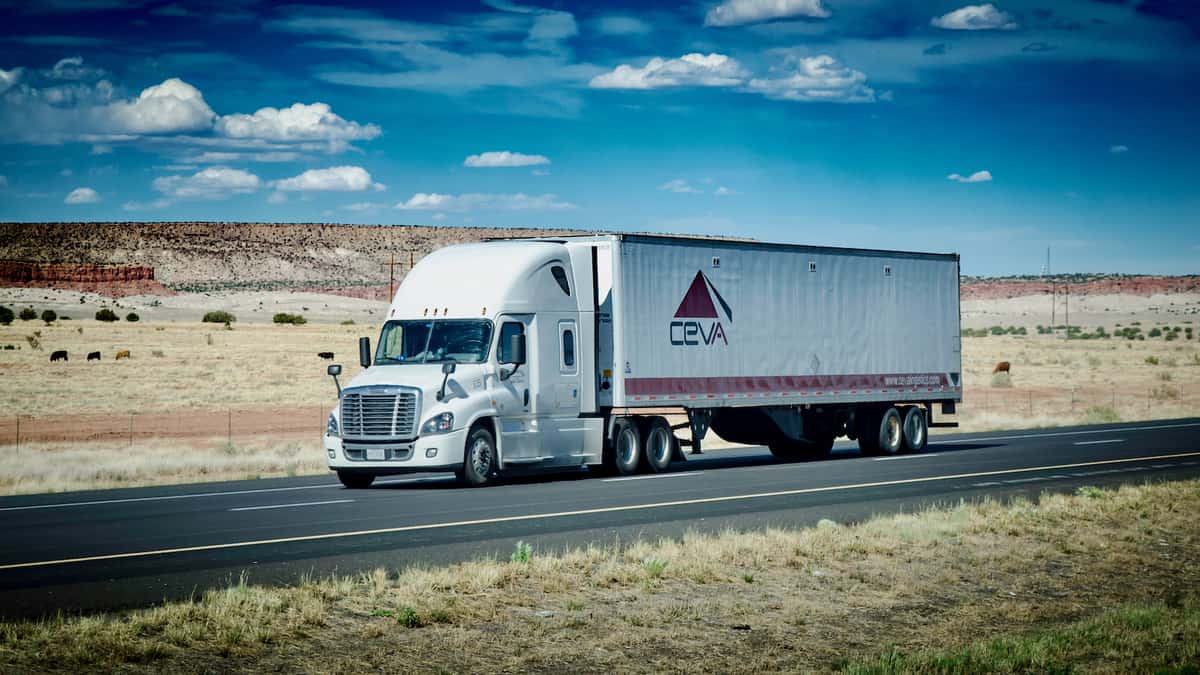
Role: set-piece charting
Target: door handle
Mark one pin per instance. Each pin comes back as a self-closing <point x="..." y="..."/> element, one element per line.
<point x="526" y="398"/>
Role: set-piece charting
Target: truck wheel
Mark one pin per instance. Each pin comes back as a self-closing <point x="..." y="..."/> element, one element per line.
<point x="660" y="444"/>
<point x="627" y="446"/>
<point x="356" y="481"/>
<point x="890" y="433"/>
<point x="819" y="447"/>
<point x="916" y="429"/>
<point x="479" y="460"/>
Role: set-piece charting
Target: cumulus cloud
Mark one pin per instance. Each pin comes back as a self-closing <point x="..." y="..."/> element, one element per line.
<point x="622" y="25"/>
<point x="504" y="158"/>
<point x="739" y="12"/>
<point x="1118" y="149"/>
<point x="678" y="185"/>
<point x="155" y="205"/>
<point x="975" y="17"/>
<point x="333" y="179"/>
<point x="82" y="195"/>
<point x="474" y="200"/>
<point x="814" y="78"/>
<point x="172" y="106"/>
<point x="300" y="122"/>
<point x="984" y="176"/>
<point x="697" y="70"/>
<point x="217" y="182"/>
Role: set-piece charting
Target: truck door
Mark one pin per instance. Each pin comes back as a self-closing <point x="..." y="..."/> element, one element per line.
<point x="564" y="430"/>
<point x="520" y="438"/>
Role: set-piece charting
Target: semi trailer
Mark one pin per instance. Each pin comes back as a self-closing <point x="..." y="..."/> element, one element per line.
<point x="567" y="352"/>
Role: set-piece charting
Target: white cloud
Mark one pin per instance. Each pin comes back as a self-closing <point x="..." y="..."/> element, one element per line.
<point x="172" y="106"/>
<point x="155" y="205"/>
<point x="300" y="122"/>
<point x="813" y="78"/>
<point x="678" y="185"/>
<point x="473" y="200"/>
<point x="102" y="149"/>
<point x="984" y="176"/>
<point x="504" y="158"/>
<point x="66" y="173"/>
<point x="9" y="78"/>
<point x="975" y="17"/>
<point x="362" y="207"/>
<point x="221" y="157"/>
<point x="82" y="195"/>
<point x="703" y="70"/>
<point x="1118" y="149"/>
<point x="333" y="179"/>
<point x="723" y="191"/>
<point x="217" y="182"/>
<point x="739" y="12"/>
<point x="277" y="198"/>
<point x="622" y="25"/>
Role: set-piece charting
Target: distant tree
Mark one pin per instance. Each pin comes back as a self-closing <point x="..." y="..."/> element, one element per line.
<point x="107" y="314"/>
<point x="219" y="316"/>
<point x="294" y="319"/>
<point x="131" y="317"/>
<point x="49" y="315"/>
<point x="28" y="314"/>
<point x="6" y="316"/>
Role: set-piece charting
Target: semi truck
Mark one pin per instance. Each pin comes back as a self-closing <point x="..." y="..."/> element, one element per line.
<point x="566" y="352"/>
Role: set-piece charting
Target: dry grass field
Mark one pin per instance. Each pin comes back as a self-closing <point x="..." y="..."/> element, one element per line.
<point x="199" y="402"/>
<point x="1096" y="582"/>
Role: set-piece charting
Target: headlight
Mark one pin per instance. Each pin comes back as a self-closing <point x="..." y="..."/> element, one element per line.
<point x="331" y="427"/>
<point x="438" y="424"/>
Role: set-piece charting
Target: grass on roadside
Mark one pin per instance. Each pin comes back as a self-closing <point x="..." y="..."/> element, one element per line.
<point x="975" y="586"/>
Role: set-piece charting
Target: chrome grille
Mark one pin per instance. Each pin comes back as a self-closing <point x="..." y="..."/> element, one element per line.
<point x="379" y="414"/>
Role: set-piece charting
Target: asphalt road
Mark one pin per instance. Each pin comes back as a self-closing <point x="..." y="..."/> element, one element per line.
<point x="121" y="548"/>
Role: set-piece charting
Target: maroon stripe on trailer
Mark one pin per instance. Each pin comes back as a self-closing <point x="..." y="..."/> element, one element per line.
<point x="802" y="384"/>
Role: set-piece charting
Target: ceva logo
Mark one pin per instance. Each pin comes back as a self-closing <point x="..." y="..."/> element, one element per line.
<point x="697" y="321"/>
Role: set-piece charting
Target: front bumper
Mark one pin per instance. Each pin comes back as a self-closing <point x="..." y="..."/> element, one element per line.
<point x="383" y="459"/>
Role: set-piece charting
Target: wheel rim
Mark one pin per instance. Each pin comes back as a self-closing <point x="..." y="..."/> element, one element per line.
<point x="893" y="431"/>
<point x="660" y="447"/>
<point x="481" y="457"/>
<point x="917" y="432"/>
<point x="627" y="447"/>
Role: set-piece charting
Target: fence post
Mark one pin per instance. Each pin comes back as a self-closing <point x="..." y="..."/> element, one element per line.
<point x="229" y="429"/>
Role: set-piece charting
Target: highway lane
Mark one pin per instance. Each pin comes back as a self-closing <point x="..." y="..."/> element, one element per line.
<point x="116" y="548"/>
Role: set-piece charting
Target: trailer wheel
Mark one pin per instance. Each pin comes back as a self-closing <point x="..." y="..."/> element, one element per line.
<point x="891" y="433"/>
<point x="866" y="424"/>
<point x="356" y="481"/>
<point x="821" y="446"/>
<point x="479" y="462"/>
<point x="916" y="429"/>
<point x="627" y="446"/>
<point x="660" y="444"/>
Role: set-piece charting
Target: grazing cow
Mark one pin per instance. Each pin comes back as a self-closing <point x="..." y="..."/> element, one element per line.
<point x="328" y="356"/>
<point x="1002" y="367"/>
<point x="60" y="355"/>
<point x="123" y="354"/>
<point x="93" y="356"/>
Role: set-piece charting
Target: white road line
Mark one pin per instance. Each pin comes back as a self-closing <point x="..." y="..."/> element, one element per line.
<point x="196" y="495"/>
<point x="580" y="512"/>
<point x="1107" y="440"/>
<point x="951" y="441"/>
<point x="888" y="459"/>
<point x="288" y="506"/>
<point x="657" y="475"/>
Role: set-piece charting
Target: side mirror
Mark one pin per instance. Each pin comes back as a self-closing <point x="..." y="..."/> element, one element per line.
<point x="364" y="352"/>
<point x="516" y="349"/>
<point x="447" y="368"/>
<point x="334" y="370"/>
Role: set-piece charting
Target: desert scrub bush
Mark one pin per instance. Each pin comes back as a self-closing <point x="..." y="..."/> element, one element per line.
<point x="49" y="316"/>
<point x="35" y="340"/>
<point x="1089" y="491"/>
<point x="6" y="316"/>
<point x="1164" y="375"/>
<point x="219" y="316"/>
<point x="1152" y="360"/>
<point x="1002" y="380"/>
<point x="654" y="567"/>
<point x="107" y="315"/>
<point x="293" y="319"/>
<point x="1164" y="393"/>
<point x="1154" y="332"/>
<point x="132" y="317"/>
<point x="348" y="322"/>
<point x="522" y="552"/>
<point x="1100" y="414"/>
<point x="28" y="314"/>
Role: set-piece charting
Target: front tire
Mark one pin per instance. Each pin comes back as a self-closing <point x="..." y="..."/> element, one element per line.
<point x="660" y="444"/>
<point x="356" y="481"/>
<point x="479" y="458"/>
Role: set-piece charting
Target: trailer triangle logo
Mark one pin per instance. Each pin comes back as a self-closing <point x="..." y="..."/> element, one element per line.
<point x="697" y="322"/>
<point x="698" y="301"/>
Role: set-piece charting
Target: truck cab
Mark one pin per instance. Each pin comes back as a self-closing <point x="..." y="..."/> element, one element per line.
<point x="480" y="366"/>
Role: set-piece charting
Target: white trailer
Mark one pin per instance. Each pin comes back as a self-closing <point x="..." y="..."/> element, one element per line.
<point x="566" y="352"/>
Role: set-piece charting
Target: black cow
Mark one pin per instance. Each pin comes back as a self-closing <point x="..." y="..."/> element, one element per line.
<point x="60" y="355"/>
<point x="328" y="356"/>
<point x="93" y="356"/>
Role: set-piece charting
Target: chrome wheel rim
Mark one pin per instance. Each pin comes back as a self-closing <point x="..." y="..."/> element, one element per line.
<point x="917" y="432"/>
<point x="660" y="447"/>
<point x="627" y="447"/>
<point x="481" y="457"/>
<point x="893" y="431"/>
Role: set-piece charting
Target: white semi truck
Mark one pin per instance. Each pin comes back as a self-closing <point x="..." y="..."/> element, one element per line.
<point x="560" y="353"/>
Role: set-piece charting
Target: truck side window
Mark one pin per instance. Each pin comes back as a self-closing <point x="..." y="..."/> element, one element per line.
<point x="508" y="329"/>
<point x="569" y="348"/>
<point x="560" y="275"/>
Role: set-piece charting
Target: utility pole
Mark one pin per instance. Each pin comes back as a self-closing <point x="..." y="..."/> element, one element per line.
<point x="1067" y="308"/>
<point x="1053" y="299"/>
<point x="391" y="265"/>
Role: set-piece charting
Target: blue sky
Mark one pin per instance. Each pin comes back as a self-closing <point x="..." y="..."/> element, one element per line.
<point x="994" y="130"/>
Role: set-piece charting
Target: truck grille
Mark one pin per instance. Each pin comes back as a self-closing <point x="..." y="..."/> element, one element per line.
<point x="389" y="414"/>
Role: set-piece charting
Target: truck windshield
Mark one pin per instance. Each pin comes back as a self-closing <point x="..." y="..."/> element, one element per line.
<point x="434" y="341"/>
